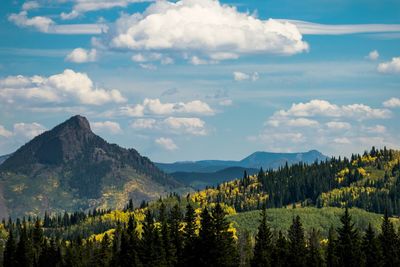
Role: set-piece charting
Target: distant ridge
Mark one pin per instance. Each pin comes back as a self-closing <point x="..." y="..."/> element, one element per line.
<point x="71" y="168"/>
<point x="259" y="159"/>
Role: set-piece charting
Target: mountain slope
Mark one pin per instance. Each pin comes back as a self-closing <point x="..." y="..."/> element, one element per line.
<point x="71" y="168"/>
<point x="199" y="180"/>
<point x="3" y="158"/>
<point x="266" y="160"/>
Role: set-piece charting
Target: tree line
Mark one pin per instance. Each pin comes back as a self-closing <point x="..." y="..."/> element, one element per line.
<point x="173" y="238"/>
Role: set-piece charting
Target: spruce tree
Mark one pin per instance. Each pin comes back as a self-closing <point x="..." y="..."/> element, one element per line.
<point x="388" y="238"/>
<point x="348" y="249"/>
<point x="206" y="250"/>
<point x="371" y="249"/>
<point x="225" y="247"/>
<point x="10" y="257"/>
<point x="314" y="256"/>
<point x="175" y="220"/>
<point x="330" y="254"/>
<point x="297" y="245"/>
<point x="280" y="252"/>
<point x="166" y="244"/>
<point x="189" y="237"/>
<point x="151" y="252"/>
<point x="263" y="244"/>
<point x="24" y="248"/>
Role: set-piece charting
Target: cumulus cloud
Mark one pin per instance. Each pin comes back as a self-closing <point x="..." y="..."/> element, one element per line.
<point x="241" y="76"/>
<point x="225" y="34"/>
<point x="156" y="107"/>
<point x="4" y="132"/>
<point x="107" y="126"/>
<point x="321" y="124"/>
<point x="390" y="67"/>
<point x="28" y="130"/>
<point x="166" y="143"/>
<point x="324" y="108"/>
<point x="393" y="102"/>
<point x="30" y="5"/>
<point x="66" y="86"/>
<point x="373" y="55"/>
<point x="338" y="125"/>
<point x="22" y="20"/>
<point x="144" y="124"/>
<point x="194" y="126"/>
<point x="152" y="57"/>
<point x="80" y="55"/>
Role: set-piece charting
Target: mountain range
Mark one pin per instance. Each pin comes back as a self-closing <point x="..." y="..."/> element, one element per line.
<point x="71" y="168"/>
<point x="199" y="174"/>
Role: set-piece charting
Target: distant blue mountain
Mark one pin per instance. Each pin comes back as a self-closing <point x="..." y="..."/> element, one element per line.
<point x="266" y="160"/>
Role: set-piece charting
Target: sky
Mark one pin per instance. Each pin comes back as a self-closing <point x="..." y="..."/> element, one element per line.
<point x="204" y="79"/>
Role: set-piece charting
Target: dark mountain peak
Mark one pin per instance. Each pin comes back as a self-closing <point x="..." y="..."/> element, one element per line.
<point x="77" y="122"/>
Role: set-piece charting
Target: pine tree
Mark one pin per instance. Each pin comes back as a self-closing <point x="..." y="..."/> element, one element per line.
<point x="370" y="248"/>
<point x="297" y="245"/>
<point x="24" y="248"/>
<point x="189" y="237"/>
<point x="225" y="246"/>
<point x="331" y="258"/>
<point x="167" y="246"/>
<point x="10" y="259"/>
<point x="151" y="252"/>
<point x="388" y="238"/>
<point x="37" y="239"/>
<point x="348" y="250"/>
<point x="263" y="244"/>
<point x="314" y="257"/>
<point x="280" y="253"/>
<point x="175" y="219"/>
<point x="206" y="249"/>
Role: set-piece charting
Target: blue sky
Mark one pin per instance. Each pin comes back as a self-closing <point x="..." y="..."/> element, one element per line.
<point x="202" y="79"/>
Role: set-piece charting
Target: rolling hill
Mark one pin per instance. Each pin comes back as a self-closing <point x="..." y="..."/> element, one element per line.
<point x="70" y="168"/>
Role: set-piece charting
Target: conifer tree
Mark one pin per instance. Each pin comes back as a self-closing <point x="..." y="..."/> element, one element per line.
<point x="245" y="248"/>
<point x="371" y="249"/>
<point x="151" y="252"/>
<point x="225" y="247"/>
<point x="24" y="248"/>
<point x="388" y="238"/>
<point x="263" y="243"/>
<point x="348" y="250"/>
<point x="280" y="253"/>
<point x="206" y="249"/>
<point x="314" y="257"/>
<point x="189" y="237"/>
<point x="175" y="220"/>
<point x="330" y="254"/>
<point x="10" y="257"/>
<point x="297" y="245"/>
<point x="166" y="244"/>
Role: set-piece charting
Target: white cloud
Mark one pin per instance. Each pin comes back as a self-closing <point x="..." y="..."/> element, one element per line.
<point x="148" y="66"/>
<point x="39" y="22"/>
<point x="144" y="124"/>
<point x="241" y="76"/>
<point x="156" y="107"/>
<point x="30" y="5"/>
<point x="217" y="30"/>
<point x="28" y="130"/>
<point x="73" y="29"/>
<point x="342" y="140"/>
<point x="166" y="143"/>
<point x="302" y="122"/>
<point x="80" y="55"/>
<point x="306" y="28"/>
<point x="152" y="57"/>
<point x="390" y="67"/>
<point x="323" y="108"/>
<point x="195" y="60"/>
<point x="59" y="88"/>
<point x="4" y="132"/>
<point x="338" y="125"/>
<point x="93" y="5"/>
<point x="107" y="126"/>
<point x="378" y="129"/>
<point x="373" y="55"/>
<point x="393" y="102"/>
<point x="226" y="102"/>
<point x="194" y="126"/>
